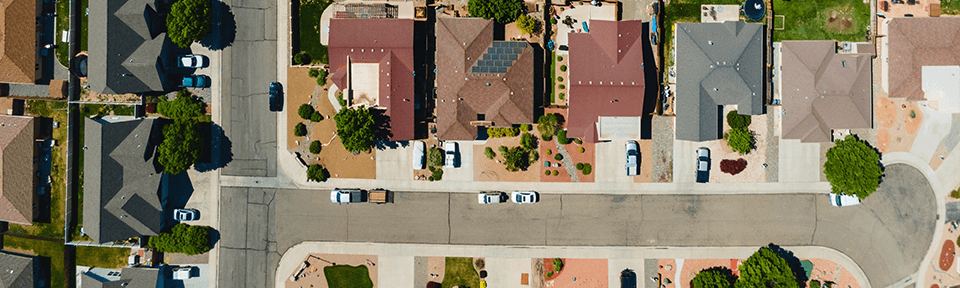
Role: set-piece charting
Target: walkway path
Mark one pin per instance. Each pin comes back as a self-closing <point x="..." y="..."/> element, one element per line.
<point x="567" y="163"/>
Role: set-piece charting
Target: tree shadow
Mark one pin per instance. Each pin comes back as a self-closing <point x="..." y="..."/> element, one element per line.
<point x="217" y="152"/>
<point x="214" y="237"/>
<point x="223" y="28"/>
<point x="793" y="262"/>
<point x="177" y="190"/>
<point x="381" y="131"/>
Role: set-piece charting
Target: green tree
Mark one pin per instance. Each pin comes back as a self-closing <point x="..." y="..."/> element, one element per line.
<point x="853" y="168"/>
<point x="711" y="278"/>
<point x="188" y="21"/>
<point x="740" y="140"/>
<point x="300" y="130"/>
<point x="516" y="159"/>
<point x="547" y="125"/>
<point x="735" y="120"/>
<point x="766" y="269"/>
<point x="527" y="141"/>
<point x="502" y="11"/>
<point x="528" y="25"/>
<point x="302" y="58"/>
<point x="313" y="72"/>
<point x="183" y="238"/>
<point x="435" y="156"/>
<point x="315" y="173"/>
<point x="489" y="153"/>
<point x="355" y="127"/>
<point x="315" y="147"/>
<point x="181" y="147"/>
<point x="562" y="137"/>
<point x="184" y="106"/>
<point x="305" y="111"/>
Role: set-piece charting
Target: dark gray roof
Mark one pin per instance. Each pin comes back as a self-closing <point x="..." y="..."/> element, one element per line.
<point x="717" y="64"/>
<point x="16" y="270"/>
<point x="121" y="180"/>
<point x="125" y="47"/>
<point x="130" y="277"/>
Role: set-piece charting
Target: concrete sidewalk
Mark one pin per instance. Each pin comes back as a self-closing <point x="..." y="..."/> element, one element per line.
<point x="400" y="257"/>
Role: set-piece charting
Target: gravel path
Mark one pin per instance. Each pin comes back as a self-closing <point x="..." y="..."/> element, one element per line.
<point x="567" y="163"/>
<point x="662" y="136"/>
<point x="773" y="151"/>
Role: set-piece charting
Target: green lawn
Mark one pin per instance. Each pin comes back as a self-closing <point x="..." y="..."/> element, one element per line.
<point x="950" y="7"/>
<point x="310" y="12"/>
<point x="843" y="20"/>
<point x="682" y="11"/>
<point x="459" y="272"/>
<point x="102" y="257"/>
<point x="347" y="276"/>
<point x="51" y="250"/>
<point x="63" y="16"/>
<point x="54" y="229"/>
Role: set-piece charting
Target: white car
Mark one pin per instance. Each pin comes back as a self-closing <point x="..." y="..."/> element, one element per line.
<point x="184" y="215"/>
<point x="193" y="61"/>
<point x="632" y="158"/>
<point x="703" y="165"/>
<point x="490" y="197"/>
<point x="450" y="154"/>
<point x="419" y="155"/>
<point x="525" y="197"/>
<point x="840" y="200"/>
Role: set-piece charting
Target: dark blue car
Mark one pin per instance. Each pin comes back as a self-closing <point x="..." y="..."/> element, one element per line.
<point x="276" y="92"/>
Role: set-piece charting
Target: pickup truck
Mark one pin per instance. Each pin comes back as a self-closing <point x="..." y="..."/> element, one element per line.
<point x="347" y="195"/>
<point x="632" y="155"/>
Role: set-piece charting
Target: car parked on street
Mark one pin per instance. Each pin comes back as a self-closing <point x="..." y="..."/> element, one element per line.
<point x="633" y="157"/>
<point x="196" y="81"/>
<point x="525" y="197"/>
<point x="450" y="154"/>
<point x="703" y="165"/>
<point x="419" y="155"/>
<point x="491" y="197"/>
<point x="841" y="200"/>
<point x="184" y="215"/>
<point x="276" y="92"/>
<point x="193" y="61"/>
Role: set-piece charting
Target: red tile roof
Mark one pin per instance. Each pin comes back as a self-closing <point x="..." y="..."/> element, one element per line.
<point x="606" y="78"/>
<point x="918" y="42"/>
<point x="385" y="41"/>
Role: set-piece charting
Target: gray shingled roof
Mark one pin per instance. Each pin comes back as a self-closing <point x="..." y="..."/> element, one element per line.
<point x="717" y="64"/>
<point x="130" y="277"/>
<point x="121" y="180"/>
<point x="16" y="270"/>
<point x="125" y="45"/>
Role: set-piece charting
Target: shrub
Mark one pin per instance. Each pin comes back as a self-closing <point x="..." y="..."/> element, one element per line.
<point x="315" y="147"/>
<point x="559" y="58"/>
<point x="321" y="81"/>
<point x="183" y="238"/>
<point x="559" y="79"/>
<point x="587" y="168"/>
<point x="315" y="173"/>
<point x="815" y="284"/>
<point x="765" y="268"/>
<point x="557" y="157"/>
<point x="300" y="130"/>
<point x="553" y="20"/>
<point x="557" y="264"/>
<point x="498" y="132"/>
<point x="534" y="155"/>
<point x="562" y="137"/>
<point x="562" y="96"/>
<point x="555" y="172"/>
<point x="853" y="167"/>
<point x="302" y="58"/>
<point x="480" y="264"/>
<point x="517" y="158"/>
<point x="579" y="141"/>
<point x="913" y="114"/>
<point x="549" y="151"/>
<point x="305" y="111"/>
<point x="579" y="166"/>
<point x="550" y="274"/>
<point x="955" y="194"/>
<point x="435" y="157"/>
<point x="527" y="141"/>
<point x="316" y="117"/>
<point x="733" y="167"/>
<point x="340" y="100"/>
<point x="740" y="140"/>
<point x="313" y="72"/>
<point x="581" y="149"/>
<point x="562" y="87"/>
<point x="502" y="149"/>
<point x="711" y="278"/>
<point x="437" y="173"/>
<point x="563" y="67"/>
<point x="503" y="11"/>
<point x="735" y="120"/>
<point x="546" y="172"/>
<point x="489" y="153"/>
<point x="528" y="25"/>
<point x="525" y="127"/>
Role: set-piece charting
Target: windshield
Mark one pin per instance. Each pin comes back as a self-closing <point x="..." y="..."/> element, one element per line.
<point x="519" y="198"/>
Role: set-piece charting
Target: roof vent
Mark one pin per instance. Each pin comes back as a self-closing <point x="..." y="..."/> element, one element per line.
<point x="488" y="83"/>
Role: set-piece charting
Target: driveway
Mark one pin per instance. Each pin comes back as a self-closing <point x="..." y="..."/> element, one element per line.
<point x="395" y="163"/>
<point x="887" y="235"/>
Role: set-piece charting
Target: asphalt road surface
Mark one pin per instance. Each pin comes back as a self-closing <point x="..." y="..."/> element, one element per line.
<point x="248" y="69"/>
<point x="887" y="234"/>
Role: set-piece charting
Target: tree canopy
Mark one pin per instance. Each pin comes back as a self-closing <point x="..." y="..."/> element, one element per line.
<point x="740" y="140"/>
<point x="183" y="238"/>
<point x="181" y="147"/>
<point x="711" y="278"/>
<point x="355" y="127"/>
<point x="188" y="21"/>
<point x="502" y="11"/>
<point x="528" y="25"/>
<point x="735" y="120"/>
<point x="315" y="173"/>
<point x="766" y="269"/>
<point x="547" y="125"/>
<point x="184" y="106"/>
<point x="853" y="168"/>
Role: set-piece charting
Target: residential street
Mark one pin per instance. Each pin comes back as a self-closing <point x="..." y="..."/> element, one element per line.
<point x="887" y="235"/>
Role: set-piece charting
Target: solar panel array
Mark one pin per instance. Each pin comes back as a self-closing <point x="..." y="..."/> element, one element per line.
<point x="499" y="56"/>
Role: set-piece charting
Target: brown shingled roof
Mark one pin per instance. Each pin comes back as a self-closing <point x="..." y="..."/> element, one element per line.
<point x="823" y="90"/>
<point x="918" y="42"/>
<point x="388" y="42"/>
<point x="16" y="165"/>
<point x="18" y="41"/>
<point x="605" y="75"/>
<point x="503" y="98"/>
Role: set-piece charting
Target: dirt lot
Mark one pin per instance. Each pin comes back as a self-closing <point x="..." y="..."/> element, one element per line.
<point x="897" y="128"/>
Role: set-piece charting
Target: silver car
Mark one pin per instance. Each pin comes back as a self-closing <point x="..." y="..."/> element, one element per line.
<point x="450" y="154"/>
<point x="490" y="197"/>
<point x="419" y="155"/>
<point x="184" y="215"/>
<point x="525" y="197"/>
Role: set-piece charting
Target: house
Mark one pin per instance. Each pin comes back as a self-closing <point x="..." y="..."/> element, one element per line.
<point x="127" y="47"/>
<point x="18" y="165"/>
<point x="20" y="58"/>
<point x="916" y="44"/>
<point x="606" y="81"/>
<point x="121" y="183"/>
<point x="371" y="61"/>
<point x="823" y="90"/>
<point x="717" y="64"/>
<point x="481" y="82"/>
<point x="18" y="270"/>
<point x="130" y="277"/>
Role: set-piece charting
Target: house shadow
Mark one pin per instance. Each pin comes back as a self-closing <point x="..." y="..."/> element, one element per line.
<point x="651" y="87"/>
<point x="382" y="132"/>
<point x="217" y="151"/>
<point x="223" y="28"/>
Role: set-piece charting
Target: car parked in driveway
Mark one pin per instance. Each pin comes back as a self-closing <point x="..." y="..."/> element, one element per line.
<point x="703" y="165"/>
<point x="628" y="279"/>
<point x="450" y="154"/>
<point x="525" y="197"/>
<point x="276" y="92"/>
<point x="184" y="215"/>
<point x="196" y="81"/>
<point x="633" y="157"/>
<point x="491" y="197"/>
<point x="419" y="155"/>
<point x="193" y="61"/>
<point x="841" y="200"/>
